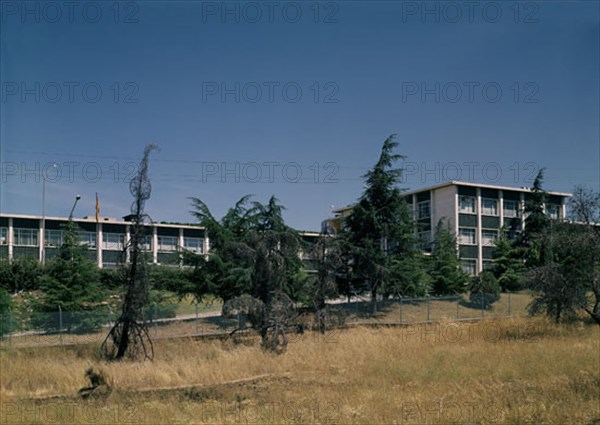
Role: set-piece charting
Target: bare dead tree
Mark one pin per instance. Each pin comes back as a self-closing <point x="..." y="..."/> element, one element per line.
<point x="129" y="337"/>
<point x="326" y="252"/>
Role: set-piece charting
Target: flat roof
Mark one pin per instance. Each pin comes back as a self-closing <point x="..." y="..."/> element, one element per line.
<point x="108" y="220"/>
<point x="481" y="185"/>
<point x="459" y="183"/>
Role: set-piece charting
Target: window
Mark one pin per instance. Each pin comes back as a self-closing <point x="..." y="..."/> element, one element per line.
<point x="193" y="244"/>
<point x="511" y="208"/>
<point x="113" y="241"/>
<point x="423" y="210"/>
<point x="424" y="239"/>
<point x="470" y="267"/>
<point x="88" y="239"/>
<point x="489" y="206"/>
<point x="146" y="243"/>
<point x="3" y="236"/>
<point x="487" y="265"/>
<point x="54" y="238"/>
<point x="553" y="211"/>
<point x="466" y="204"/>
<point x="467" y="236"/>
<point x="26" y="237"/>
<point x="488" y="237"/>
<point x="167" y="243"/>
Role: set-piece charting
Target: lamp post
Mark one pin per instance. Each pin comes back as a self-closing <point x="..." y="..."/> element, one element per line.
<point x="43" y="235"/>
<point x="77" y="198"/>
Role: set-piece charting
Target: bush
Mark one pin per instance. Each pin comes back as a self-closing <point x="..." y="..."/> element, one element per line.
<point x="5" y="310"/>
<point x="20" y="274"/>
<point x="111" y="278"/>
<point x="78" y="322"/>
<point x="485" y="290"/>
<point x="161" y="305"/>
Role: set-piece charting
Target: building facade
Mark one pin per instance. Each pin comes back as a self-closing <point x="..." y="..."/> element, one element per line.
<point x="25" y="236"/>
<point x="476" y="213"/>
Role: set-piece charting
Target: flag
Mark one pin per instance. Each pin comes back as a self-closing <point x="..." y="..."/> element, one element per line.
<point x="97" y="208"/>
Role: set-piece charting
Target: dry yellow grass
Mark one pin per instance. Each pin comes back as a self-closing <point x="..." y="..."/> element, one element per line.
<point x="496" y="371"/>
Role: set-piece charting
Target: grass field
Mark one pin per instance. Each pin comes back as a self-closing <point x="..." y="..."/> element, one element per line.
<point x="496" y="371"/>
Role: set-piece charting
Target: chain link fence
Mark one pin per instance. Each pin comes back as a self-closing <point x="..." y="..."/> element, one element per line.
<point x="405" y="310"/>
<point x="81" y="327"/>
<point x="66" y="328"/>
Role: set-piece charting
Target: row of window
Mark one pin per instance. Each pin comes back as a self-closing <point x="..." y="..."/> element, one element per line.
<point x="470" y="265"/>
<point x="110" y="241"/>
<point x="468" y="236"/>
<point x="468" y="204"/>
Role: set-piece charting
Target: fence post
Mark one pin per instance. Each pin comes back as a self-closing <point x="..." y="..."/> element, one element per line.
<point x="482" y="301"/>
<point x="9" y="330"/>
<point x="60" y="324"/>
<point x="509" y="309"/>
<point x="155" y="319"/>
<point x="196" y="308"/>
<point x="428" y="306"/>
<point x="401" y="318"/>
<point x="457" y="308"/>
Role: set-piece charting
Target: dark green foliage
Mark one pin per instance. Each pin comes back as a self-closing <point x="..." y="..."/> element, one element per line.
<point x="554" y="295"/>
<point x="408" y="275"/>
<point x="161" y="305"/>
<point x="485" y="290"/>
<point x="253" y="251"/>
<point x="5" y="301"/>
<point x="536" y="223"/>
<point x="22" y="274"/>
<point x="447" y="276"/>
<point x="254" y="255"/>
<point x="509" y="267"/>
<point x="5" y="310"/>
<point x="111" y="279"/>
<point x="561" y="283"/>
<point x="379" y="234"/>
<point x="165" y="278"/>
<point x="71" y="283"/>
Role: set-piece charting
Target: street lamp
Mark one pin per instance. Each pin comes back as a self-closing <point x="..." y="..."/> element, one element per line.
<point x="43" y="235"/>
<point x="77" y="198"/>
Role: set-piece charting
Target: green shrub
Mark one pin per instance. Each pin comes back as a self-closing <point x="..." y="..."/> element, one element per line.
<point x="5" y="310"/>
<point x="485" y="290"/>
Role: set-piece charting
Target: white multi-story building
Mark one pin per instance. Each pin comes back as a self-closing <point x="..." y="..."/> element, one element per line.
<point x="476" y="213"/>
<point x="106" y="239"/>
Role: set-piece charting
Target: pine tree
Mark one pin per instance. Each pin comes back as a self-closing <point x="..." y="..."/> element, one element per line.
<point x="380" y="230"/>
<point x="536" y="222"/>
<point x="509" y="268"/>
<point x="447" y="276"/>
<point x="71" y="284"/>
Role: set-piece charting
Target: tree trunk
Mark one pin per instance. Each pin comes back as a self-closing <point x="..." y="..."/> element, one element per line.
<point x="374" y="299"/>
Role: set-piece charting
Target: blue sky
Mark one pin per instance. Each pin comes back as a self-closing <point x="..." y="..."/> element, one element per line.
<point x="295" y="106"/>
